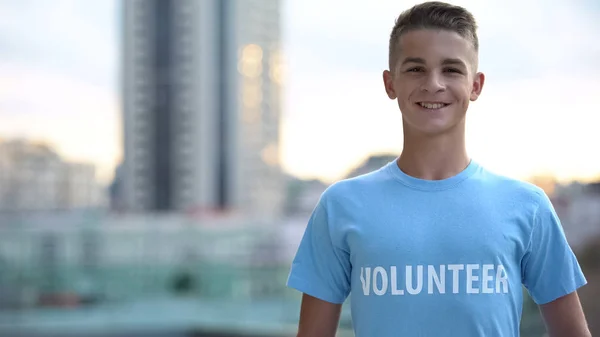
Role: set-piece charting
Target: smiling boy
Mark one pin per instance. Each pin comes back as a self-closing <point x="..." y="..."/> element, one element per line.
<point x="433" y="244"/>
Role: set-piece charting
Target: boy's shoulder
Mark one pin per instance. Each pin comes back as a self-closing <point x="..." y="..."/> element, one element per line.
<point x="351" y="186"/>
<point x="516" y="188"/>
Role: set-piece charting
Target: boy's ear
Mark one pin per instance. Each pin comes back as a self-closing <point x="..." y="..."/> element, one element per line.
<point x="478" y="82"/>
<point x="388" y="83"/>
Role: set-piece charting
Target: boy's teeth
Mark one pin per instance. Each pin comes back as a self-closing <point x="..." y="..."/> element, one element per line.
<point x="432" y="105"/>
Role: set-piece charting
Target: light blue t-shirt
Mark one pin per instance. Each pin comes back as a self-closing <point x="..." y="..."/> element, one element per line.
<point x="434" y="258"/>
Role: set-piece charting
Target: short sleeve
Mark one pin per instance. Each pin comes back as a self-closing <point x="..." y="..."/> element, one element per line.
<point x="320" y="269"/>
<point x="550" y="269"/>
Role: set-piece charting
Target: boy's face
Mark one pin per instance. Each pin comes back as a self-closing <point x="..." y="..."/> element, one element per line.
<point x="434" y="80"/>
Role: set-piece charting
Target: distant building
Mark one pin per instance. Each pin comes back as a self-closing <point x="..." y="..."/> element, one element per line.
<point x="202" y="88"/>
<point x="115" y="190"/>
<point x="578" y="207"/>
<point x="34" y="178"/>
<point x="303" y="196"/>
<point x="80" y="187"/>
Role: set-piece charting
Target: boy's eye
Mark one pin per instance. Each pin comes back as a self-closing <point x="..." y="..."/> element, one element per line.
<point x="414" y="70"/>
<point x="453" y="70"/>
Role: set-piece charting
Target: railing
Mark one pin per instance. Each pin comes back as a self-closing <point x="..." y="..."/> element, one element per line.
<point x="206" y="278"/>
<point x="169" y="278"/>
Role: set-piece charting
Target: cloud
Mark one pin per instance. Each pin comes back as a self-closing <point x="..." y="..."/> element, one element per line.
<point x="80" y="119"/>
<point x="77" y="38"/>
<point x="346" y="33"/>
<point x="528" y="126"/>
<point x="331" y="130"/>
<point x="58" y="76"/>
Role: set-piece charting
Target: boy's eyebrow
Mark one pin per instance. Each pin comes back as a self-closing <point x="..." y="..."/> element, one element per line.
<point x="451" y="61"/>
<point x="413" y="60"/>
<point x="458" y="62"/>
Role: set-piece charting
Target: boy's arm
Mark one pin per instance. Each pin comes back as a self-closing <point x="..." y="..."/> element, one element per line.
<point x="321" y="271"/>
<point x="564" y="317"/>
<point x="318" y="318"/>
<point x="552" y="274"/>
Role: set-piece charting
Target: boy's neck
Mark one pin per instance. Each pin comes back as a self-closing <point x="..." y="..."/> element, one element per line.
<point x="434" y="157"/>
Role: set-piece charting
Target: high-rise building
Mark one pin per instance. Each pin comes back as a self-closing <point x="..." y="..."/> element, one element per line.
<point x="201" y="90"/>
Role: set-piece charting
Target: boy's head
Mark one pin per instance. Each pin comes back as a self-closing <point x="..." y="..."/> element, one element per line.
<point x="433" y="60"/>
<point x="436" y="16"/>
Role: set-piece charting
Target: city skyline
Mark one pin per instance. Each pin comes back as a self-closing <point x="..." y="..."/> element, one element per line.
<point x="60" y="84"/>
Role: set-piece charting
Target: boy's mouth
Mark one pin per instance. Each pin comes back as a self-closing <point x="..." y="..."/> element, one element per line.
<point x="432" y="105"/>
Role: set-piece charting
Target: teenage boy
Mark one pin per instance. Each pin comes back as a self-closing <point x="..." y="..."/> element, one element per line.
<point x="433" y="244"/>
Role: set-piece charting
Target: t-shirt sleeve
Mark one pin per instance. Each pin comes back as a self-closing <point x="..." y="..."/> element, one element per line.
<point x="320" y="268"/>
<point x="550" y="269"/>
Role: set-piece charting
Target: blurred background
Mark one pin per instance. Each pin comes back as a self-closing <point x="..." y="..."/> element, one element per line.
<point x="159" y="159"/>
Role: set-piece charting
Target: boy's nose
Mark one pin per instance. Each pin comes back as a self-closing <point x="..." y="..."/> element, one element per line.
<point x="433" y="83"/>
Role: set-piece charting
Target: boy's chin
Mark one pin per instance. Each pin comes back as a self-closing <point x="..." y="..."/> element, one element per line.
<point x="431" y="128"/>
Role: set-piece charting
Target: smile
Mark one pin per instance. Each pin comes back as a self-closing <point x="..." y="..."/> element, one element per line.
<point x="433" y="105"/>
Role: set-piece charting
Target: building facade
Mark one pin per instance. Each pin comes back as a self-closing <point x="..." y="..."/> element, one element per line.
<point x="35" y="178"/>
<point x="201" y="90"/>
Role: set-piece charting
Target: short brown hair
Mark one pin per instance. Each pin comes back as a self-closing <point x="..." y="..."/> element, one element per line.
<point x="433" y="15"/>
